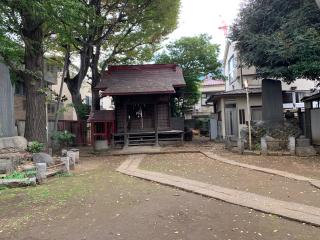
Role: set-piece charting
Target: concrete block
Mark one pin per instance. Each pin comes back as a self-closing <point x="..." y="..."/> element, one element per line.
<point x="303" y="142"/>
<point x="264" y="146"/>
<point x="306" y="151"/>
<point x="66" y="161"/>
<point x="77" y="154"/>
<point x="240" y="145"/>
<point x="101" y="145"/>
<point x="41" y="172"/>
<point x="292" y="145"/>
<point x="72" y="158"/>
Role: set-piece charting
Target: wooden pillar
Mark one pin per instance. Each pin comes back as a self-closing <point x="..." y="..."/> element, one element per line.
<point x="156" y="124"/>
<point x="125" y="124"/>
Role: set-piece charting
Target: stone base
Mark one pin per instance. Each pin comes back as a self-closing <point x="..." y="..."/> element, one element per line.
<point x="14" y="142"/>
<point x="306" y="151"/>
<point x="101" y="145"/>
<point x="303" y="142"/>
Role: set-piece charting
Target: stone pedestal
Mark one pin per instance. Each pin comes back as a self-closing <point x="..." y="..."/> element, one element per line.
<point x="304" y="147"/>
<point x="241" y="145"/>
<point x="264" y="146"/>
<point x="77" y="154"/>
<point x="41" y="172"/>
<point x="101" y="145"/>
<point x="13" y="142"/>
<point x="66" y="161"/>
<point x="72" y="158"/>
<point x="292" y="145"/>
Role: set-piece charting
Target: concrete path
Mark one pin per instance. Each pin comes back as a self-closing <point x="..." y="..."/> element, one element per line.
<point x="313" y="182"/>
<point x="290" y="210"/>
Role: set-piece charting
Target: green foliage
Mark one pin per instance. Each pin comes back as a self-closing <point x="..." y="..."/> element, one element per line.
<point x="21" y="175"/>
<point x="64" y="139"/>
<point x="63" y="174"/>
<point x="198" y="57"/>
<point x="35" y="147"/>
<point x="83" y="110"/>
<point x="280" y="37"/>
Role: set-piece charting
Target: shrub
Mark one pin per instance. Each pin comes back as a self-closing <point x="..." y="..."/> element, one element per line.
<point x="64" y="139"/>
<point x="35" y="147"/>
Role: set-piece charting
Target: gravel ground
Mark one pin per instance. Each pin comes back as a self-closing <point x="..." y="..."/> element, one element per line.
<point x="199" y="167"/>
<point x="99" y="203"/>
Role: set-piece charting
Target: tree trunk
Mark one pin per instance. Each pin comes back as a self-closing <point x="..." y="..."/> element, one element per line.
<point x="35" y="127"/>
<point x="96" y="76"/>
<point x="95" y="100"/>
<point x="74" y="89"/>
<point x="74" y="84"/>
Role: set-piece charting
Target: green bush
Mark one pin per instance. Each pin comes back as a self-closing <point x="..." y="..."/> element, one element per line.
<point x="64" y="139"/>
<point x="35" y="147"/>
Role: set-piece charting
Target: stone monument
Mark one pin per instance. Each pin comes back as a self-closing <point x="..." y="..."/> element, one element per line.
<point x="7" y="128"/>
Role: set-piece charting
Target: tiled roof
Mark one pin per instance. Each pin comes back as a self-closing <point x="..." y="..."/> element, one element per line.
<point x="141" y="79"/>
<point x="237" y="92"/>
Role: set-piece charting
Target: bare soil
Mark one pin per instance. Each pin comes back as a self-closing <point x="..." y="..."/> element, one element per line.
<point x="305" y="166"/>
<point x="199" y="167"/>
<point x="99" y="203"/>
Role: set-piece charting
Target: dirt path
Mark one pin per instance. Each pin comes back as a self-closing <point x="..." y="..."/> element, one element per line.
<point x="201" y="168"/>
<point x="98" y="203"/>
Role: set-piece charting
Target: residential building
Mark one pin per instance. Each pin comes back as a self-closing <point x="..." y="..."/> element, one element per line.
<point x="50" y="76"/>
<point x="208" y="86"/>
<point x="230" y="106"/>
<point x="53" y="78"/>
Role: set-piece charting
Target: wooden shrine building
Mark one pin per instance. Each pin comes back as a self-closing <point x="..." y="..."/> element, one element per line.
<point x="142" y="96"/>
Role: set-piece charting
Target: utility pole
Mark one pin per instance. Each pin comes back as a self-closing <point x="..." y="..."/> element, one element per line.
<point x="246" y="85"/>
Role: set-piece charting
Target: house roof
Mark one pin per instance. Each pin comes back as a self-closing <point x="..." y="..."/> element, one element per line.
<point x="141" y="79"/>
<point x="311" y="98"/>
<point x="212" y="82"/>
<point x="234" y="93"/>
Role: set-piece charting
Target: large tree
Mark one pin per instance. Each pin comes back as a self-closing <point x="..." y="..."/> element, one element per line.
<point x="280" y="37"/>
<point x="26" y="30"/>
<point x="197" y="57"/>
<point x="119" y="31"/>
<point x="21" y="26"/>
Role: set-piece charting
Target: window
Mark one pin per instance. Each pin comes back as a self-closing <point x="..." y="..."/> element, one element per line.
<point x="242" y="116"/>
<point x="203" y="99"/>
<point x="231" y="68"/>
<point x="256" y="113"/>
<point x="287" y="97"/>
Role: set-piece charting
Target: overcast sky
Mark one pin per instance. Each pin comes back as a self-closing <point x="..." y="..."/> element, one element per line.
<point x="206" y="16"/>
